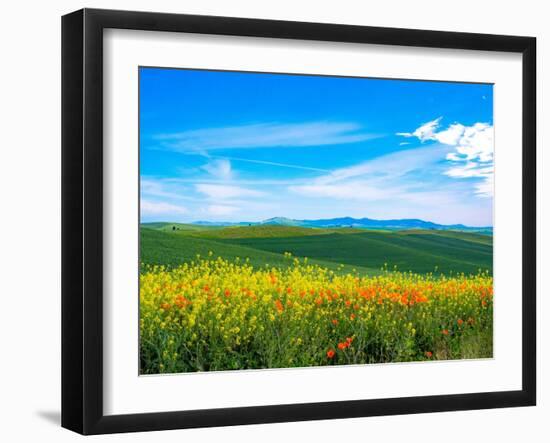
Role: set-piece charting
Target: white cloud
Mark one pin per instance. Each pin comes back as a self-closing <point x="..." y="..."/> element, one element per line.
<point x="270" y="163"/>
<point x="170" y="199"/>
<point x="473" y="157"/>
<point x="428" y="131"/>
<point x="219" y="168"/>
<point x="424" y="132"/>
<point x="155" y="188"/>
<point x="451" y="135"/>
<point x="473" y="150"/>
<point x="381" y="178"/>
<point x="165" y="189"/>
<point x="471" y="142"/>
<point x="403" y="184"/>
<point x="476" y="143"/>
<point x="355" y="190"/>
<point x="469" y="169"/>
<point x="223" y="192"/>
<point x="486" y="187"/>
<point x="221" y="210"/>
<point x="265" y="135"/>
<point x="473" y="169"/>
<point x="154" y="208"/>
<point x="392" y="165"/>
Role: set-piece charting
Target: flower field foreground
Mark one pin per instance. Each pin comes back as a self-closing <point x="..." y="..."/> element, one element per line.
<point x="212" y="315"/>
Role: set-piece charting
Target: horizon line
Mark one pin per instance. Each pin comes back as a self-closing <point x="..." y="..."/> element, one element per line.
<point x="221" y="222"/>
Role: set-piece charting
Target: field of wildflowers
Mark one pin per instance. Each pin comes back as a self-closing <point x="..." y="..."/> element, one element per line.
<point x="212" y="314"/>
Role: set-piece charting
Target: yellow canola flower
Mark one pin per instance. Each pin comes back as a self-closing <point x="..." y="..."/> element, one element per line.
<point x="215" y="314"/>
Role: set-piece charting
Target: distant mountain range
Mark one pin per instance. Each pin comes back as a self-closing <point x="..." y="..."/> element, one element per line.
<point x="365" y="223"/>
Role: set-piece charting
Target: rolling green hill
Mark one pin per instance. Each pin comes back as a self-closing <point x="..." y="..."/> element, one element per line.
<point x="409" y="252"/>
<point x="267" y="231"/>
<point x="486" y="239"/>
<point x="178" y="227"/>
<point x="368" y="251"/>
<point x="172" y="249"/>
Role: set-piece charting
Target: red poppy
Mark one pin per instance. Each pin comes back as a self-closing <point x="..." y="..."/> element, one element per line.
<point x="330" y="353"/>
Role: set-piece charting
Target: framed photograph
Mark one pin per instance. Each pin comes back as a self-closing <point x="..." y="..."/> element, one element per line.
<point x="268" y="221"/>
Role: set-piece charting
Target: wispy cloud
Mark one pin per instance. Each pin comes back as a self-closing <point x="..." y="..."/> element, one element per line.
<point x="154" y="208"/>
<point x="270" y="163"/>
<point x="429" y="131"/>
<point x="225" y="192"/>
<point x="153" y="188"/>
<point x="265" y="135"/>
<point x="407" y="182"/>
<point x="396" y="164"/>
<point x="382" y="178"/>
<point x="424" y="132"/>
<point x="220" y="168"/>
<point x="172" y="199"/>
<point x="221" y="210"/>
<point x="486" y="187"/>
<point x="361" y="190"/>
<point x="472" y="156"/>
<point x="472" y="169"/>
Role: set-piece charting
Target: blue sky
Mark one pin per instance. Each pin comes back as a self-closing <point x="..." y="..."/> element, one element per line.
<point x="230" y="146"/>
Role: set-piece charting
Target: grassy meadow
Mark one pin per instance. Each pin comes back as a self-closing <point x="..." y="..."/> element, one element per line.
<point x="268" y="296"/>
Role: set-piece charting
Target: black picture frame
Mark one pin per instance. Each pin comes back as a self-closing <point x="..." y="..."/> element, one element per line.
<point x="82" y="218"/>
